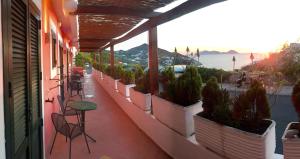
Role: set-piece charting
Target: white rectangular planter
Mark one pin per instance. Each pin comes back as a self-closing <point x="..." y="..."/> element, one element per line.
<point x="234" y="143"/>
<point x="240" y="144"/>
<point x="140" y="99"/>
<point x="111" y="83"/>
<point x="291" y="142"/>
<point x="176" y="117"/>
<point x="209" y="133"/>
<point x="124" y="89"/>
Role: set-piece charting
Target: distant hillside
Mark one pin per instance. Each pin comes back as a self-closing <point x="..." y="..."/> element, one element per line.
<point x="218" y="52"/>
<point x="139" y="55"/>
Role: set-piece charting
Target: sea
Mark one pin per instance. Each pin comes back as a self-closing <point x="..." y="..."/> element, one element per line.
<point x="224" y="61"/>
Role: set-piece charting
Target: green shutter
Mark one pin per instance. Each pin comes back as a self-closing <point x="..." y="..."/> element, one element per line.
<point x="35" y="87"/>
<point x="19" y="77"/>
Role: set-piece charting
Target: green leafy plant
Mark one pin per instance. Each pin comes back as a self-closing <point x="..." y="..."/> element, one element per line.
<point x="251" y="107"/>
<point x="187" y="88"/>
<point x="222" y="113"/>
<point x="138" y="72"/>
<point x="167" y="79"/>
<point x="118" y="71"/>
<point x="96" y="66"/>
<point x="143" y="84"/>
<point x="102" y="67"/>
<point x="209" y="93"/>
<point x="296" y="98"/>
<point x="141" y="80"/>
<point x="127" y="77"/>
<point x="216" y="102"/>
<point x="220" y="74"/>
<point x="107" y="70"/>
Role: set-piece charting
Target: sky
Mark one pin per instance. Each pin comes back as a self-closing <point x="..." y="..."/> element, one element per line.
<point x="258" y="26"/>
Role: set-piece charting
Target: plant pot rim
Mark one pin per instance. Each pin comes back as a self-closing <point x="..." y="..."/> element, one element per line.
<point x="139" y="91"/>
<point x="273" y="124"/>
<point x="284" y="138"/>
<point x="203" y="118"/>
<point x="131" y="84"/>
<point x="177" y="105"/>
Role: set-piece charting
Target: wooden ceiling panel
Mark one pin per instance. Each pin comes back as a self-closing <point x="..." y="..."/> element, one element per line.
<point x="110" y="26"/>
<point x="136" y="4"/>
<point x="104" y="27"/>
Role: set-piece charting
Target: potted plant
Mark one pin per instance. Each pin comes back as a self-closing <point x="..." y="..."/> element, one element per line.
<point x="117" y="75"/>
<point x="243" y="132"/>
<point x="126" y="82"/>
<point x="102" y="68"/>
<point x="179" y="101"/>
<point x="290" y="138"/>
<point x="109" y="81"/>
<point x="140" y="94"/>
<point x="215" y="102"/>
<point x="96" y="72"/>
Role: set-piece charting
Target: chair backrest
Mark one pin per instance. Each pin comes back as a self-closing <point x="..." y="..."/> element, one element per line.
<point x="75" y="76"/>
<point x="61" y="104"/>
<point x="60" y="124"/>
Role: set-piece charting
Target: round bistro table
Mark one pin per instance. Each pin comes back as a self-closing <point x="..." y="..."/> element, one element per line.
<point x="83" y="106"/>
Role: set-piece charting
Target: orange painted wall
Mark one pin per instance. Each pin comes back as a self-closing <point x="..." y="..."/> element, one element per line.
<point x="49" y="108"/>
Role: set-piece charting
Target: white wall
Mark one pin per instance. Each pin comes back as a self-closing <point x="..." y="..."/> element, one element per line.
<point x="174" y="144"/>
<point x="2" y="135"/>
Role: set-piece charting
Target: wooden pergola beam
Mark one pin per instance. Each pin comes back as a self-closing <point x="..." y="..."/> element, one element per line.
<point x="113" y="10"/>
<point x="94" y="40"/>
<point x="185" y="8"/>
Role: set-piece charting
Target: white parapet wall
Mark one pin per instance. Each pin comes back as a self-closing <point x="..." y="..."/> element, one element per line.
<point x="174" y="144"/>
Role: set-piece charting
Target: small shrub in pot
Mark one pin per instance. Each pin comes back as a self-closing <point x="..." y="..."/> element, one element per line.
<point x="167" y="79"/>
<point x="251" y="108"/>
<point x="142" y="82"/>
<point x="296" y="101"/>
<point x="127" y="77"/>
<point x="118" y="71"/>
<point x="187" y="88"/>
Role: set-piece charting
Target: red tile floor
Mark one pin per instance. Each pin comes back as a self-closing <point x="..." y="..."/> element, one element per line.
<point x="117" y="136"/>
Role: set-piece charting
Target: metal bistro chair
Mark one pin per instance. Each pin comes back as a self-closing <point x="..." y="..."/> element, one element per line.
<point x="65" y="109"/>
<point x="76" y="85"/>
<point x="69" y="130"/>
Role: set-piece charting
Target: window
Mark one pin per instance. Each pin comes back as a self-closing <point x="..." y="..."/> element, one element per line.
<point x="54" y="61"/>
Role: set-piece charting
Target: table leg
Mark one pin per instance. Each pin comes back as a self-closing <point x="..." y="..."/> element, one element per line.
<point x="83" y="126"/>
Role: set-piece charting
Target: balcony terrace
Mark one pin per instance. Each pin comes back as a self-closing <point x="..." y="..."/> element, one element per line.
<point x="115" y="133"/>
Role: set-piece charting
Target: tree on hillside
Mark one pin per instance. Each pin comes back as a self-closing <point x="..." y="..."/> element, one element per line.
<point x="187" y="51"/>
<point x="252" y="57"/>
<point x="82" y="58"/>
<point x="198" y="54"/>
<point x="233" y="60"/>
<point x="174" y="58"/>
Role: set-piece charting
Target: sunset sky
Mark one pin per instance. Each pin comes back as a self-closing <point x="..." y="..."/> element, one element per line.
<point x="258" y="26"/>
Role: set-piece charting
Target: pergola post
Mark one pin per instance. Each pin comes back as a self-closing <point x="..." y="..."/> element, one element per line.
<point x="112" y="59"/>
<point x="153" y="60"/>
<point x="100" y="62"/>
<point x="94" y="56"/>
